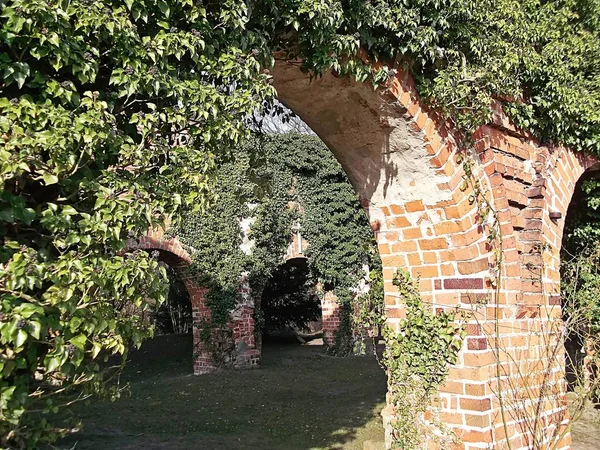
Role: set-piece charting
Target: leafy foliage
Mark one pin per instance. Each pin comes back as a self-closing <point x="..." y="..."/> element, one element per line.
<point x="417" y="360"/>
<point x="580" y="280"/>
<point x="175" y="314"/>
<point x="108" y="112"/>
<point x="580" y="294"/>
<point x="368" y="313"/>
<point x="213" y="237"/>
<point x="539" y="58"/>
<point x="258" y="184"/>
<point x="300" y="169"/>
<point x="582" y="223"/>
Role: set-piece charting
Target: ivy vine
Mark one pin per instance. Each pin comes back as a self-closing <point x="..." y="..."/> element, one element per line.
<point x="417" y="359"/>
<point x="275" y="182"/>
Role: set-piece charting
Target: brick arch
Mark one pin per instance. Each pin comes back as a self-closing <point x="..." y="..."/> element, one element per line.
<point x="532" y="187"/>
<point x="564" y="169"/>
<point x="172" y="253"/>
<point x="402" y="161"/>
<point x="246" y="353"/>
<point x="296" y="249"/>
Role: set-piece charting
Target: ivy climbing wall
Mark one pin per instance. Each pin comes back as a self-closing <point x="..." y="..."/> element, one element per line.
<point x="478" y="223"/>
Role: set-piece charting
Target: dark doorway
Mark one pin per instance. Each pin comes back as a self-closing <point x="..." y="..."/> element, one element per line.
<point x="290" y="305"/>
<point x="174" y="316"/>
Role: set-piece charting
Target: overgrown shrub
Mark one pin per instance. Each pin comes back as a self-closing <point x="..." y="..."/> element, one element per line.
<point x="110" y="116"/>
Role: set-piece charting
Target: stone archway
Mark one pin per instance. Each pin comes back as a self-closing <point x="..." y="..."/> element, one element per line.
<point x="402" y="161"/>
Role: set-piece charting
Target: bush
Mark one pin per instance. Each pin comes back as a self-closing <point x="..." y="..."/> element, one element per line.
<point x="110" y="116"/>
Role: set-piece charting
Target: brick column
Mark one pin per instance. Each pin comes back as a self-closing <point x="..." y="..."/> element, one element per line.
<point x="330" y="311"/>
<point x="247" y="347"/>
<point x="203" y="360"/>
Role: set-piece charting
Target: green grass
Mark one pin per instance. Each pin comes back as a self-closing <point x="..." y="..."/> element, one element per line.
<point x="298" y="400"/>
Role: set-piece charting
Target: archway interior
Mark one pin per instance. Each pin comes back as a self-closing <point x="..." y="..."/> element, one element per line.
<point x="174" y="315"/>
<point x="579" y="275"/>
<point x="290" y="306"/>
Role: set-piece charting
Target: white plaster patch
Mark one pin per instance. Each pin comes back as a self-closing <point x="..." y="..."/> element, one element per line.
<point x="247" y="243"/>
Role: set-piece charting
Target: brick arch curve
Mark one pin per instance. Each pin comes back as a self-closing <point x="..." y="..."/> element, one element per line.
<point x="247" y="351"/>
<point x="564" y="169"/>
<point x="172" y="253"/>
<point x="401" y="160"/>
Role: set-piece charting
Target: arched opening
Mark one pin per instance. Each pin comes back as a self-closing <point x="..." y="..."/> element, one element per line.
<point x="299" y="398"/>
<point x="187" y="298"/>
<point x="174" y="316"/>
<point x="400" y="160"/>
<point x="402" y="163"/>
<point x="580" y="298"/>
<point x="290" y="305"/>
<point x="445" y="211"/>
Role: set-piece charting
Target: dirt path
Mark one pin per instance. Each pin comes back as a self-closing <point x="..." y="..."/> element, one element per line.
<point x="586" y="431"/>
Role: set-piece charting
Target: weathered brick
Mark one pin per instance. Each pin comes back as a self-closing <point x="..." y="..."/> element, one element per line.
<point x="471" y="404"/>
<point x="477" y="343"/>
<point x="433" y="244"/>
<point x="414" y="206"/>
<point x="463" y="283"/>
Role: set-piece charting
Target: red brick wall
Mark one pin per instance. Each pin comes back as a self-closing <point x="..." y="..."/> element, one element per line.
<point x="444" y="245"/>
<point x="330" y="313"/>
<point x="248" y="348"/>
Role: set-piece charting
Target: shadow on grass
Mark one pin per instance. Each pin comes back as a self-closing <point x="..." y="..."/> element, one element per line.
<point x="298" y="399"/>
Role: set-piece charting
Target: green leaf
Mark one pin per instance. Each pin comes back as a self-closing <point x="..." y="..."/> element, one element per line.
<point x="79" y="341"/>
<point x="35" y="328"/>
<point x="21" y="338"/>
<point x="96" y="348"/>
<point x="49" y="178"/>
<point x="164" y="8"/>
<point x="51" y="363"/>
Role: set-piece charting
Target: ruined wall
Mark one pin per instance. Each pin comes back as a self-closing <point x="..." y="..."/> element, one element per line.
<point x="330" y="311"/>
<point x="247" y="350"/>
<point x="403" y="161"/>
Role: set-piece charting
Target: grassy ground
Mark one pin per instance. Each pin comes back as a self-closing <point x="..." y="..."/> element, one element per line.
<point x="299" y="399"/>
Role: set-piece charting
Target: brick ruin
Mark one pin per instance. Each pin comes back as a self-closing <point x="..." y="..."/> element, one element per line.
<point x="247" y="347"/>
<point x="402" y="161"/>
<point x="246" y="351"/>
